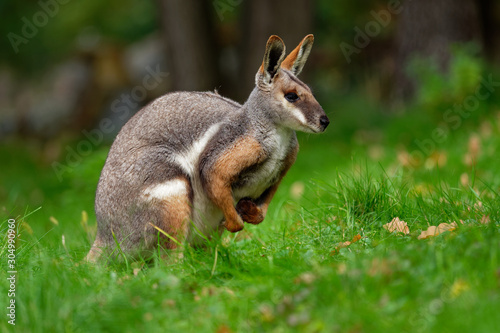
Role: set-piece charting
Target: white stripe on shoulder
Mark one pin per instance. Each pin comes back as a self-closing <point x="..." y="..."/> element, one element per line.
<point x="189" y="158"/>
<point x="174" y="187"/>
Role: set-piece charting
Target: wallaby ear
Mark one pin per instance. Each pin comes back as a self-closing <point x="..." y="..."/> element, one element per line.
<point x="298" y="57"/>
<point x="275" y="53"/>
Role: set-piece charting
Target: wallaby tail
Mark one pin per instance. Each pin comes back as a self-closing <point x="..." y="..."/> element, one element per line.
<point x="95" y="252"/>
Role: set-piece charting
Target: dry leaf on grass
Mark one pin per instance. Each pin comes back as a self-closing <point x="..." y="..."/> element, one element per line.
<point x="54" y="220"/>
<point x="464" y="179"/>
<point x="345" y="244"/>
<point x="437" y="159"/>
<point x="223" y="329"/>
<point x="396" y="225"/>
<point x="381" y="267"/>
<point x="458" y="287"/>
<point x="26" y="227"/>
<point x="485" y="219"/>
<point x="306" y="278"/>
<point x="356" y="238"/>
<point x="297" y="190"/>
<point x="434" y="231"/>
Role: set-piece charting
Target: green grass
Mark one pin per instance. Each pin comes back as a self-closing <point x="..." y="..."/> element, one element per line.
<point x="289" y="273"/>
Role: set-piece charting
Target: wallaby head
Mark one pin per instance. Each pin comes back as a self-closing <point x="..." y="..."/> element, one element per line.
<point x="286" y="99"/>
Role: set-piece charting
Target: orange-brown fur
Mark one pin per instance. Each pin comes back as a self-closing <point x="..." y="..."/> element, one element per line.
<point x="289" y="61"/>
<point x="223" y="152"/>
<point x="177" y="212"/>
<point x="95" y="251"/>
<point x="272" y="40"/>
<point x="249" y="211"/>
<point x="255" y="213"/>
<point x="244" y="153"/>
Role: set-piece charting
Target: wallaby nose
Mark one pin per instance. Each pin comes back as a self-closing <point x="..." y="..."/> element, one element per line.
<point x="324" y="121"/>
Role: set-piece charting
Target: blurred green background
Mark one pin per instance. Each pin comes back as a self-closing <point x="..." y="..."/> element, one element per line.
<point x="412" y="92"/>
<point x="388" y="73"/>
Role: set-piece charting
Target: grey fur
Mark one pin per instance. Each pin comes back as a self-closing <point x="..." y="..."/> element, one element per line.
<point x="144" y="155"/>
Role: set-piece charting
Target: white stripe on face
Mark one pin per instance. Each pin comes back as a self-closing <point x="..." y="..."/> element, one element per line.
<point x="297" y="114"/>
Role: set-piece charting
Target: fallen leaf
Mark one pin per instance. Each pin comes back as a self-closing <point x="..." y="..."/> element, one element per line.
<point x="376" y="152"/>
<point x="474" y="146"/>
<point x="437" y="159"/>
<point x="229" y="292"/>
<point x="137" y="267"/>
<point x="474" y="149"/>
<point x="26" y="227"/>
<point x="345" y="244"/>
<point x="84" y="222"/>
<point x="223" y="329"/>
<point x="296" y="319"/>
<point x="464" y="179"/>
<point x="266" y="312"/>
<point x="486" y="129"/>
<point x="168" y="303"/>
<point x="434" y="231"/>
<point x="380" y="267"/>
<point x="423" y="189"/>
<point x="356" y="238"/>
<point x="85" y="217"/>
<point x="297" y="190"/>
<point x="458" y="287"/>
<point x="404" y="159"/>
<point x="306" y="278"/>
<point x="396" y="225"/>
<point x="342" y="268"/>
<point x="54" y="220"/>
<point x="485" y="219"/>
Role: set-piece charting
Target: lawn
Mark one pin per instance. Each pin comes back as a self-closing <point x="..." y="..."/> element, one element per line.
<point x="322" y="261"/>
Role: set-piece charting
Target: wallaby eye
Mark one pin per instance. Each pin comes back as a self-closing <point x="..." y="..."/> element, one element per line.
<point x="291" y="97"/>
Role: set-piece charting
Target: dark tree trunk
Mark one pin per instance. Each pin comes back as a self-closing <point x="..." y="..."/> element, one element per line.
<point x="489" y="12"/>
<point x="426" y="29"/>
<point x="192" y="48"/>
<point x="189" y="41"/>
<point x="289" y="19"/>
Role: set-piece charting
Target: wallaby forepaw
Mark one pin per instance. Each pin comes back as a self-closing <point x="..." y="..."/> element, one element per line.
<point x="249" y="211"/>
<point x="233" y="226"/>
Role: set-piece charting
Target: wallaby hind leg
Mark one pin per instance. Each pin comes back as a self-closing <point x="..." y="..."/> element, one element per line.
<point x="164" y="206"/>
<point x="171" y="204"/>
<point x="95" y="252"/>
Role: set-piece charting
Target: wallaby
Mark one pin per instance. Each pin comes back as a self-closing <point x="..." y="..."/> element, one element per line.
<point x="196" y="162"/>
